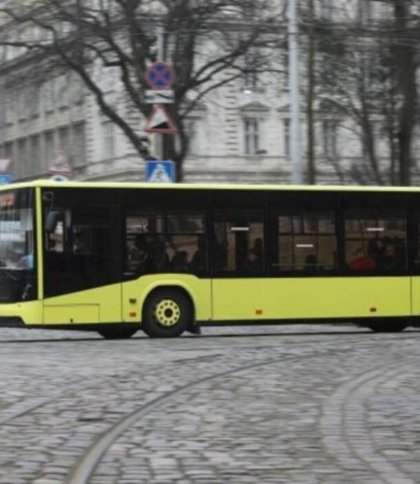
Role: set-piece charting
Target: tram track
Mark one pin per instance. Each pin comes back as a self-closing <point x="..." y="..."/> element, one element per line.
<point x="350" y="444"/>
<point x="90" y="460"/>
<point x="85" y="468"/>
<point x="29" y="404"/>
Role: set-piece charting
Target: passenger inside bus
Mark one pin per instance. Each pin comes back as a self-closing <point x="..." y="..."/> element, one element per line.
<point x="198" y="261"/>
<point x="253" y="262"/>
<point x="139" y="255"/>
<point x="389" y="260"/>
<point x="180" y="261"/>
<point x="311" y="264"/>
<point x="362" y="261"/>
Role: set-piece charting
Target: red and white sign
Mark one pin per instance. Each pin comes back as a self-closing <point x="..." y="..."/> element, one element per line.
<point x="4" y="164"/>
<point x="60" y="166"/>
<point x="159" y="122"/>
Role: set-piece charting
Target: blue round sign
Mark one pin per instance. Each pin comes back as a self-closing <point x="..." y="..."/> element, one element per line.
<point x="160" y="75"/>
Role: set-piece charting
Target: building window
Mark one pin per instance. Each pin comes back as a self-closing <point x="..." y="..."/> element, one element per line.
<point x="62" y="91"/>
<point x="22" y="106"/>
<point x="286" y="140"/>
<point x="34" y="95"/>
<point x="192" y="134"/>
<point x="49" y="147"/>
<point x="327" y="9"/>
<point x="108" y="135"/>
<point x="79" y="145"/>
<point x="76" y="90"/>
<point x="9" y="154"/>
<point x="22" y="157"/>
<point x="330" y="138"/>
<point x="35" y="148"/>
<point x="9" y="107"/>
<point x="251" y="135"/>
<point x="49" y="96"/>
<point x="251" y="77"/>
<point x="64" y="141"/>
<point x="365" y="11"/>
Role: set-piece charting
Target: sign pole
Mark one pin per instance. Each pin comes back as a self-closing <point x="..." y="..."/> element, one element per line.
<point x="161" y="56"/>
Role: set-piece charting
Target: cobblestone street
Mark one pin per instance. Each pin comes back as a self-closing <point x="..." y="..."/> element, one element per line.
<point x="294" y="404"/>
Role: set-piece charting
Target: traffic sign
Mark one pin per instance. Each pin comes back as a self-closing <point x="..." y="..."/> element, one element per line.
<point x="159" y="122"/>
<point x="160" y="171"/>
<point x="5" y="178"/>
<point x="60" y="166"/>
<point x="159" y="96"/>
<point x="160" y="75"/>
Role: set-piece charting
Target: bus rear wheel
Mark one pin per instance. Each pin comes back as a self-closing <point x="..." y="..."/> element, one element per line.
<point x="117" y="333"/>
<point x="167" y="313"/>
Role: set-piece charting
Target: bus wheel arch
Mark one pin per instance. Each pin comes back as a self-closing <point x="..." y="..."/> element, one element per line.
<point x="168" y="311"/>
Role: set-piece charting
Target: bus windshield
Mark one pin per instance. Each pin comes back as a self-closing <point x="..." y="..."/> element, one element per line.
<point x="16" y="238"/>
<point x="17" y="244"/>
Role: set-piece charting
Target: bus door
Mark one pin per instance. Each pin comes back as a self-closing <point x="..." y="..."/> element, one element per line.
<point x="81" y="265"/>
<point x="238" y="261"/>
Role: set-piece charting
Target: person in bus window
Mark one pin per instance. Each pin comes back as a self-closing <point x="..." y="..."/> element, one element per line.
<point x="253" y="262"/>
<point x="27" y="261"/>
<point x="389" y="261"/>
<point x="180" y="261"/>
<point x="198" y="261"/>
<point x="156" y="249"/>
<point x="311" y="264"/>
<point x="139" y="254"/>
<point x="258" y="247"/>
<point x="361" y="261"/>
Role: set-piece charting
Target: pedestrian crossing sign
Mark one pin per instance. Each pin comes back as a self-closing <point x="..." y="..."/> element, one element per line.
<point x="160" y="171"/>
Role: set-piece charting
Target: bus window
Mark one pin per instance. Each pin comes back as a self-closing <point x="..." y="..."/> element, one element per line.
<point x="239" y="242"/>
<point x="165" y="242"/>
<point x="17" y="246"/>
<point x="306" y="243"/>
<point x="375" y="243"/>
<point x="78" y="251"/>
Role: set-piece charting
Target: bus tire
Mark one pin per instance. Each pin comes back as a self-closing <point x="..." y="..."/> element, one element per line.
<point x="117" y="333"/>
<point x="167" y="313"/>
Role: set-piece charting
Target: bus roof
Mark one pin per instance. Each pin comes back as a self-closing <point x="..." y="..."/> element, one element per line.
<point x="45" y="183"/>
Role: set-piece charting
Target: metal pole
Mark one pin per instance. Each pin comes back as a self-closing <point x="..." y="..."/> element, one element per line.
<point x="295" y="135"/>
<point x="158" y="140"/>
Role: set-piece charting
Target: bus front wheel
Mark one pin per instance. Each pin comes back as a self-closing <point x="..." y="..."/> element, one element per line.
<point x="167" y="313"/>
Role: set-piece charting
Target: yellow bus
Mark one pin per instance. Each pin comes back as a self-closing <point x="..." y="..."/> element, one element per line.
<point x="163" y="258"/>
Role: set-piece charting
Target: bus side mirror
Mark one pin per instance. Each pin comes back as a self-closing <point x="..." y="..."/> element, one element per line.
<point x="51" y="221"/>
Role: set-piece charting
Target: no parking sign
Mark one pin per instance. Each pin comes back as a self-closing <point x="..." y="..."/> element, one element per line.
<point x="160" y="75"/>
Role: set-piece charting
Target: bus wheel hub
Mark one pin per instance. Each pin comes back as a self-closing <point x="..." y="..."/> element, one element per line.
<point x="167" y="313"/>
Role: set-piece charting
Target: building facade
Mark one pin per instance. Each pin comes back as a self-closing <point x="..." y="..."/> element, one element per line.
<point x="240" y="132"/>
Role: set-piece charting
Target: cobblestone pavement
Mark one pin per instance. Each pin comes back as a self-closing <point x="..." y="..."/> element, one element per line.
<point x="294" y="404"/>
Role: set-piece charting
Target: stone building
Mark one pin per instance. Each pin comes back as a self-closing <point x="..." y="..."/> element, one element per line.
<point x="240" y="132"/>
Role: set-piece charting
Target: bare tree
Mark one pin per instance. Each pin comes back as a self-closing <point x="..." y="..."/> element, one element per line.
<point x="368" y="74"/>
<point x="205" y="41"/>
